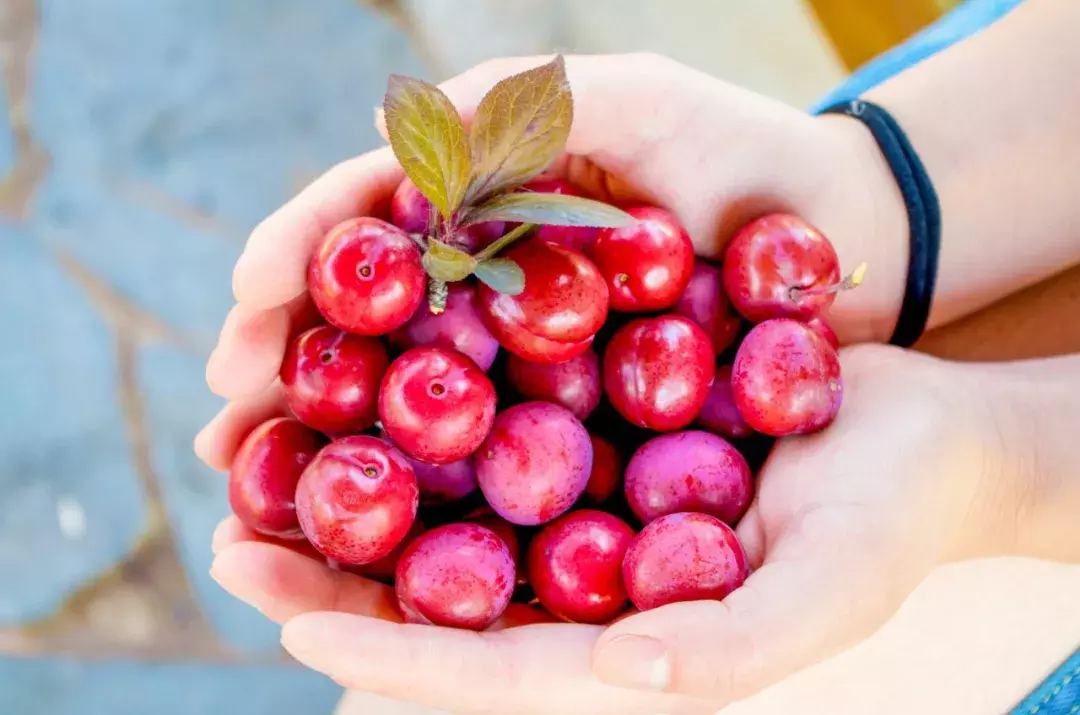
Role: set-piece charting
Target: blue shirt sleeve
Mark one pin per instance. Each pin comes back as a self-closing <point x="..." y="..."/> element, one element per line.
<point x="966" y="20"/>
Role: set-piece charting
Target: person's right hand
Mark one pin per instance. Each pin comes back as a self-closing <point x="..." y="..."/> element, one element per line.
<point x="645" y="129"/>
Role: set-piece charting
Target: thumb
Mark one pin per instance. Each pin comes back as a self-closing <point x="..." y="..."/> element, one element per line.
<point x="811" y="599"/>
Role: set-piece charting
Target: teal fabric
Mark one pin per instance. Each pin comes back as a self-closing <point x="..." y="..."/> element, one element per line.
<point x="1059" y="694"/>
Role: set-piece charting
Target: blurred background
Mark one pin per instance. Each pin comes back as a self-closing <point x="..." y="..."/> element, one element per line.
<point x="140" y="140"/>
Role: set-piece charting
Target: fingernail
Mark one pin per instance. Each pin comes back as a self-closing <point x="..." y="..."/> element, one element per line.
<point x="633" y="661"/>
<point x="199" y="443"/>
<point x="219" y="540"/>
<point x="205" y="445"/>
<point x="239" y="277"/>
<point x="308" y="639"/>
<point x="202" y="444"/>
<point x="211" y="366"/>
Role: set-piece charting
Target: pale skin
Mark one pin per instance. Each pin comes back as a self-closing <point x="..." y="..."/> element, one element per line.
<point x="928" y="462"/>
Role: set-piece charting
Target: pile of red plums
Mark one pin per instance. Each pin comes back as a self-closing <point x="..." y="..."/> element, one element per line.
<point x="583" y="445"/>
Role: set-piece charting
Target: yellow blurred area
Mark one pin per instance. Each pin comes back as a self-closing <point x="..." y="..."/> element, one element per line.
<point x="859" y="30"/>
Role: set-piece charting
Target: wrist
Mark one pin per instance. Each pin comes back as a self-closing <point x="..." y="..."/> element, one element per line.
<point x="864" y="216"/>
<point x="1033" y="497"/>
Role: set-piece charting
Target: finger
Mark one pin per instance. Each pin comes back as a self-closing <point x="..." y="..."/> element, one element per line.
<point x="602" y="185"/>
<point x="282" y="584"/>
<point x="814" y="596"/>
<point x="258" y="581"/>
<point x="273" y="266"/>
<point x="520" y="614"/>
<point x="534" y="669"/>
<point x="303" y="315"/>
<point x="217" y="442"/>
<point x="248" y="354"/>
<point x="751" y="533"/>
<point x="232" y="531"/>
<point x="356" y="702"/>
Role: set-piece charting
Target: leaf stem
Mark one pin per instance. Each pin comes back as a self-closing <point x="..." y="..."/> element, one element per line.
<point x="504" y="241"/>
<point x="848" y="282"/>
<point x="437" y="291"/>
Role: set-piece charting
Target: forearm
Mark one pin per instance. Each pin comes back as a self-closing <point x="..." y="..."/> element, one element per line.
<point x="1030" y="504"/>
<point x="995" y="121"/>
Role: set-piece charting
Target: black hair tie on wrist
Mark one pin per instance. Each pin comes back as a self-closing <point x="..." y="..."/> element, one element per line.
<point x="923" y="210"/>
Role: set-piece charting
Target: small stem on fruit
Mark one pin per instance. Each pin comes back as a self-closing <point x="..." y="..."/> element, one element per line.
<point x="850" y="281"/>
<point x="444" y="228"/>
<point x="437" y="291"/>
<point x="504" y="241"/>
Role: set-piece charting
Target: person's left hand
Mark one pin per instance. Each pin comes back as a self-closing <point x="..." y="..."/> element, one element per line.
<point x="845" y="524"/>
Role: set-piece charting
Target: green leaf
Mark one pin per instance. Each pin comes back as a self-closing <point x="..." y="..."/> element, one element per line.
<point x="520" y="127"/>
<point x="551" y="209"/>
<point x="446" y="263"/>
<point x="502" y="275"/>
<point x="503" y="241"/>
<point x="429" y="141"/>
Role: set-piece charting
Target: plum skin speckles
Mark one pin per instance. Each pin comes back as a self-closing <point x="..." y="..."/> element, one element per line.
<point x="657" y="371"/>
<point x="683" y="557"/>
<point x="331" y="379"/>
<point x="720" y="415"/>
<point x="457" y="575"/>
<point x="556" y="316"/>
<point x="575" y="566"/>
<point x="357" y="499"/>
<point x="436" y="404"/>
<point x="574" y="383"/>
<point x="535" y="463"/>
<point x="365" y="277"/>
<point x="705" y="302"/>
<point x="690" y="471"/>
<point x="770" y="257"/>
<point x="264" y="474"/>
<point x="458" y="327"/>
<point x="646" y="265"/>
<point x="607" y="470"/>
<point x="786" y="379"/>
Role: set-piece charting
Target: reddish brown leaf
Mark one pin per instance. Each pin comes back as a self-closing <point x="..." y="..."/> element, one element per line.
<point x="520" y="127"/>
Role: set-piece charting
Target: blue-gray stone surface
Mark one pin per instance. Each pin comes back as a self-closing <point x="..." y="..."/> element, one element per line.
<point x="177" y="405"/>
<point x="65" y="686"/>
<point x="71" y="505"/>
<point x="226" y="107"/>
